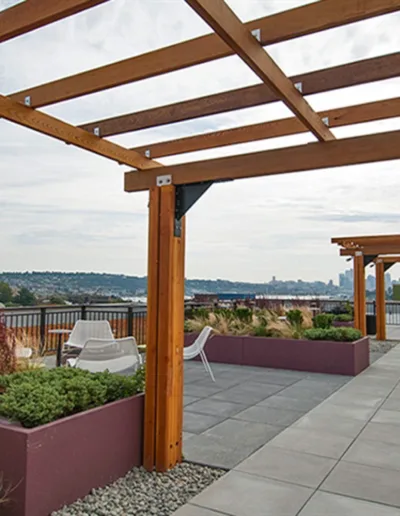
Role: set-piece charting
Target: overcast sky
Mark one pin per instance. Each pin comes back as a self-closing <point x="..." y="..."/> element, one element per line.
<point x="65" y="209"/>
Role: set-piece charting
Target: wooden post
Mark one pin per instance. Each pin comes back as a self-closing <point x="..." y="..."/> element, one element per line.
<point x="360" y="321"/>
<point x="380" y="300"/>
<point x="165" y="317"/>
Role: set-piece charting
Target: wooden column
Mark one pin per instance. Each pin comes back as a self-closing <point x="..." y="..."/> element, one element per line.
<point x="165" y="318"/>
<point x="360" y="321"/>
<point x="380" y="300"/>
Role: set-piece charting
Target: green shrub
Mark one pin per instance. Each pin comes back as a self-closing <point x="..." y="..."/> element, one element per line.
<point x="344" y="318"/>
<point x="323" y="320"/>
<point x="37" y="397"/>
<point x="337" y="334"/>
<point x="244" y="313"/>
<point x="295" y="317"/>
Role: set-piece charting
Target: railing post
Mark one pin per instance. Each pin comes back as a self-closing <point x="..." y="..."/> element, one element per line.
<point x="129" y="323"/>
<point x="83" y="312"/>
<point x="42" y="328"/>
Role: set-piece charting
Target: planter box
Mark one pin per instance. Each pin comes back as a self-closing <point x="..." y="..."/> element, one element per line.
<point x="348" y="358"/>
<point x="55" y="464"/>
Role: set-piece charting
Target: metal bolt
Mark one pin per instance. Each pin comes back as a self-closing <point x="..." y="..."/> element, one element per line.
<point x="299" y="86"/>
<point x="326" y="120"/>
<point x="27" y="100"/>
<point x="257" y="34"/>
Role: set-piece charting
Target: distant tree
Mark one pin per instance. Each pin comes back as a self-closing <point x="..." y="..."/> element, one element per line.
<point x="56" y="299"/>
<point x="5" y="293"/>
<point x="25" y="297"/>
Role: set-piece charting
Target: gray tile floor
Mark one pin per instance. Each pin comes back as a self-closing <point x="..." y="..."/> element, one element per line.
<point x="226" y="421"/>
<point x="340" y="459"/>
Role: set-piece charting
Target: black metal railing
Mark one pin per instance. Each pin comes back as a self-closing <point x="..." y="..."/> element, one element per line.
<point x="34" y="323"/>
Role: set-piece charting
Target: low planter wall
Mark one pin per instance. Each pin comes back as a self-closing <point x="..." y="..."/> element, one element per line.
<point x="316" y="356"/>
<point x="55" y="464"/>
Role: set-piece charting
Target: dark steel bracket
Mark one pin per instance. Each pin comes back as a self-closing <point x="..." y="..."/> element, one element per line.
<point x="368" y="259"/>
<point x="185" y="197"/>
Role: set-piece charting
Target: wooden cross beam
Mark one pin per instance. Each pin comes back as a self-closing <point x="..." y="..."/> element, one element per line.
<point x="343" y="76"/>
<point x="340" y="117"/>
<point x="361" y="241"/>
<point x="229" y="27"/>
<point x="313" y="156"/>
<point x="388" y="259"/>
<point x="284" y="26"/>
<point x="51" y="126"/>
<point x="32" y="14"/>
<point x="372" y="250"/>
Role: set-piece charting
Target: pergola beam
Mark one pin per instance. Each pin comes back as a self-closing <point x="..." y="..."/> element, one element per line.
<point x="320" y="81"/>
<point x="228" y="26"/>
<point x="313" y="156"/>
<point x="377" y="250"/>
<point x="32" y="14"/>
<point x="51" y="126"/>
<point x="284" y="26"/>
<point x="388" y="259"/>
<point x="366" y="240"/>
<point x="340" y="117"/>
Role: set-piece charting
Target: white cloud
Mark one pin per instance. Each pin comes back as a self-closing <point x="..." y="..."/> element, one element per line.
<point x="65" y="209"/>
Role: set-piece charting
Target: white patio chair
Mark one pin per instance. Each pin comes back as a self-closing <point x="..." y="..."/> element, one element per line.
<point x="84" y="330"/>
<point x="114" y="355"/>
<point x="197" y="348"/>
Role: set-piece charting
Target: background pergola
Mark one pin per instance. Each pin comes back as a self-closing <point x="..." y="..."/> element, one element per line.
<point x="174" y="189"/>
<point x="366" y="250"/>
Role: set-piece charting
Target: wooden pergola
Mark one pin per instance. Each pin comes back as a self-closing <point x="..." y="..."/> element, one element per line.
<point x="365" y="250"/>
<point x="174" y="189"/>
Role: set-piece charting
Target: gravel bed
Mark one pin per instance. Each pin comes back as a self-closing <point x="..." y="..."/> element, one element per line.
<point x="141" y="493"/>
<point x="382" y="346"/>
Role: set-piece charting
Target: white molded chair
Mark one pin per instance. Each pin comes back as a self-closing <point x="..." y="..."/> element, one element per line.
<point x="114" y="355"/>
<point x="85" y="330"/>
<point x="197" y="348"/>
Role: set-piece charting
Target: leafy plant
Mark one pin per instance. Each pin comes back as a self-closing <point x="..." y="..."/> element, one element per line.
<point x="343" y="318"/>
<point x="295" y="317"/>
<point x="323" y="321"/>
<point x="336" y="334"/>
<point x="37" y="397"/>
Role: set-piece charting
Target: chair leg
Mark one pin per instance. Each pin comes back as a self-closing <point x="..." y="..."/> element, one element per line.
<point x="207" y="365"/>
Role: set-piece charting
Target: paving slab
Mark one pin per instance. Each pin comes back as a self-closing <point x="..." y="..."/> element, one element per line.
<point x="392" y="404"/>
<point x="187" y="400"/>
<point x="309" y="393"/>
<point x="201" y="391"/>
<point x="316" y="442"/>
<point x="350" y="412"/>
<point x="288" y="465"/>
<point x="327" y="504"/>
<point x="330" y="423"/>
<point x="366" y="482"/>
<point x="284" y="378"/>
<point x="283" y="402"/>
<point x="253" y="496"/>
<point x="356" y="400"/>
<point x="383" y="432"/>
<point x="215" y="407"/>
<point x="193" y="510"/>
<point x="248" y="393"/>
<point x="270" y="415"/>
<point x="387" y="416"/>
<point x="197" y="423"/>
<point x="374" y="453"/>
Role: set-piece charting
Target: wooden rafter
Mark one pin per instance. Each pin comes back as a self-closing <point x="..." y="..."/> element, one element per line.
<point x="340" y="117"/>
<point x="343" y="76"/>
<point x="32" y="14"/>
<point x="229" y="27"/>
<point x="388" y="259"/>
<point x="362" y="241"/>
<point x="46" y="124"/>
<point x="349" y="151"/>
<point x="284" y="26"/>
<point x="372" y="250"/>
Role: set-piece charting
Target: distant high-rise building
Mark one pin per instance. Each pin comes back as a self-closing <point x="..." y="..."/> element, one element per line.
<point x="388" y="280"/>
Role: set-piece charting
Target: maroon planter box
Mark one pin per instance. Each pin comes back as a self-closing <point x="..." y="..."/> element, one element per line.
<point x="316" y="356"/>
<point x="55" y="464"/>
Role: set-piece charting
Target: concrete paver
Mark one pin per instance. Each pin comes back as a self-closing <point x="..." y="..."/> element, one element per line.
<point x="374" y="453"/>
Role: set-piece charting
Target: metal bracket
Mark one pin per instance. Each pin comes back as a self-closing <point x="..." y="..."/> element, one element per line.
<point x="164" y="180"/>
<point x="147" y="153"/>
<point x="368" y="259"/>
<point x="185" y="197"/>
<point x="257" y="34"/>
<point x="96" y="131"/>
<point x="358" y="253"/>
<point x="326" y="120"/>
<point x="387" y="266"/>
<point x="27" y="100"/>
<point x="299" y="86"/>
